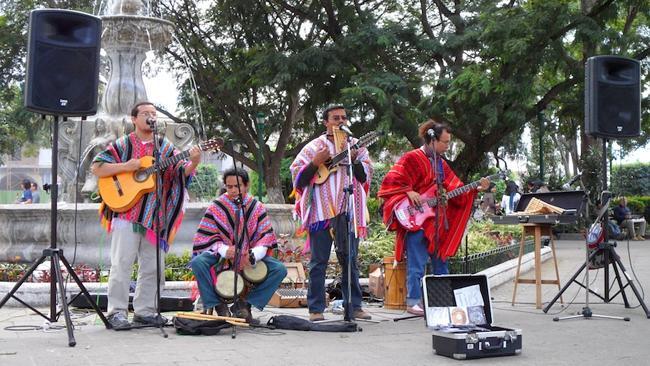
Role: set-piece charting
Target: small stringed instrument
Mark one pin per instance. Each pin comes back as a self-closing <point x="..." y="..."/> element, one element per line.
<point x="411" y="217"/>
<point x="330" y="166"/>
<point x="122" y="191"/>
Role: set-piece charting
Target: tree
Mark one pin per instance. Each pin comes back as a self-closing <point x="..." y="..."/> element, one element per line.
<point x="18" y="126"/>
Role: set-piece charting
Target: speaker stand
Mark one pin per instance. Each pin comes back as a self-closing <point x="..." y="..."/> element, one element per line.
<point x="55" y="255"/>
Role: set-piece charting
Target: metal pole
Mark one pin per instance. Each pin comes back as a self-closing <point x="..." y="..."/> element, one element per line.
<point x="540" y="119"/>
<point x="260" y="159"/>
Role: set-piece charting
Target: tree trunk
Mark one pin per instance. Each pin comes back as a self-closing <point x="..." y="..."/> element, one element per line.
<point x="272" y="180"/>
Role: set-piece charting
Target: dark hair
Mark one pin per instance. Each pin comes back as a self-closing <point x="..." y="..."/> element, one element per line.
<point x="236" y="172"/>
<point x="27" y="184"/>
<point x="511" y="187"/>
<point x="136" y="108"/>
<point x="438" y="126"/>
<point x="330" y="108"/>
<point x="34" y="184"/>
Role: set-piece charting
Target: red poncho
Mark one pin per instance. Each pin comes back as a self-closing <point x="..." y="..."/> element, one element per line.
<point x="413" y="172"/>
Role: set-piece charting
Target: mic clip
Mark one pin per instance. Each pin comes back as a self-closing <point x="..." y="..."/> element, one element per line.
<point x="251" y="257"/>
<point x="151" y="121"/>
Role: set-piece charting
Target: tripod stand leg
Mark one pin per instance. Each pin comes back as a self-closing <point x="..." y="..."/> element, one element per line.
<point x="566" y="286"/>
<point x="64" y="304"/>
<point x="618" y="279"/>
<point x="21" y="281"/>
<point x="630" y="282"/>
<point x="84" y="291"/>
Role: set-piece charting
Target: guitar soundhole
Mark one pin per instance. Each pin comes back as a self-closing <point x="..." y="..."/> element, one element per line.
<point x="140" y="176"/>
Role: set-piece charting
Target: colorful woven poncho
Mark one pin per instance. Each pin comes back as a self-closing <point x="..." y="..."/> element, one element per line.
<point x="142" y="215"/>
<point x="217" y="227"/>
<point x="413" y="172"/>
<point x="316" y="204"/>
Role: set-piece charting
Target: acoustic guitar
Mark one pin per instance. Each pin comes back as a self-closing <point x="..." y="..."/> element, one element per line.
<point x="122" y="191"/>
<point x="330" y="166"/>
<point x="411" y="217"/>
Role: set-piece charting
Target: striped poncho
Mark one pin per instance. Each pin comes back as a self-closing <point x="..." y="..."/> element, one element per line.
<point x="413" y="172"/>
<point x="217" y="227"/>
<point x="316" y="204"/>
<point x="142" y="215"/>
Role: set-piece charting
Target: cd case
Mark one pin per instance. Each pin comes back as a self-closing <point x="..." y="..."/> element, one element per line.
<point x="458" y="310"/>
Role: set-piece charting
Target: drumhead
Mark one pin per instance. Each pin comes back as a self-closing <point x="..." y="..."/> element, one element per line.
<point x="256" y="273"/>
<point x="226" y="283"/>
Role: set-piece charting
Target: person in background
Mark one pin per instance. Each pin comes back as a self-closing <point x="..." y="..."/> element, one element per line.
<point x="488" y="202"/>
<point x="26" y="197"/>
<point x="624" y="218"/>
<point x="36" y="196"/>
<point x="510" y="197"/>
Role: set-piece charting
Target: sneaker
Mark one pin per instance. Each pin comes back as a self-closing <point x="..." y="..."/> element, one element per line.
<point x="222" y="310"/>
<point x="316" y="317"/>
<point x="415" y="310"/>
<point x="361" y="314"/>
<point x="640" y="238"/>
<point x="156" y="319"/>
<point x="118" y="321"/>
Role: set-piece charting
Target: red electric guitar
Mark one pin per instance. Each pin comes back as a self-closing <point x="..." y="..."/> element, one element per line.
<point x="411" y="217"/>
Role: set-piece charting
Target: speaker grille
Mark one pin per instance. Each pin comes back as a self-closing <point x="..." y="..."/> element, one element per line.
<point x="616" y="113"/>
<point x="64" y="83"/>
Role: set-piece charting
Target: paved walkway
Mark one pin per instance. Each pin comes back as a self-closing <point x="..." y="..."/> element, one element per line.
<point x="545" y="342"/>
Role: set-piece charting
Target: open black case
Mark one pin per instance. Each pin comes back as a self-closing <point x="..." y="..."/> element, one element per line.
<point x="458" y="309"/>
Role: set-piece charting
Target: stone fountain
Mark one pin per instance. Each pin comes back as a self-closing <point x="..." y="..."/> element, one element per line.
<point x="128" y="34"/>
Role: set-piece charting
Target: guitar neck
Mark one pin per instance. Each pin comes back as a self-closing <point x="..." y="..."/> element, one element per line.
<point x="460" y="190"/>
<point x="169" y="161"/>
<point x="342" y="155"/>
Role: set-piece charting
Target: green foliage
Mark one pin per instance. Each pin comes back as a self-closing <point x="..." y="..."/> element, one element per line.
<point x="485" y="235"/>
<point x="205" y="184"/>
<point x="176" y="268"/>
<point x="378" y="174"/>
<point x="379" y="244"/>
<point x="631" y="179"/>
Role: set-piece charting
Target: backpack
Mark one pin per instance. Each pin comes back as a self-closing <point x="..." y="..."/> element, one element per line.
<point x="186" y="326"/>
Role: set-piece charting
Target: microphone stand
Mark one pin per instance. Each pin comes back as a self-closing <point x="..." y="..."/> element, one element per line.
<point x="351" y="238"/>
<point x="442" y="200"/>
<point x="239" y="202"/>
<point x="157" y="224"/>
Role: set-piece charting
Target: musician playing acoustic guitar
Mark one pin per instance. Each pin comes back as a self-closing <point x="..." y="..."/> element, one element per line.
<point x="322" y="211"/>
<point x="133" y="231"/>
<point x="214" y="240"/>
<point x="410" y="178"/>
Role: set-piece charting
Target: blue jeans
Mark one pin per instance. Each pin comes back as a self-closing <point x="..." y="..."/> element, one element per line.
<point x="321" y="245"/>
<point x="260" y="294"/>
<point x="417" y="256"/>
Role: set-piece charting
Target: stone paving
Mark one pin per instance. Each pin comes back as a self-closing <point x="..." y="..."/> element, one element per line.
<point x="408" y="342"/>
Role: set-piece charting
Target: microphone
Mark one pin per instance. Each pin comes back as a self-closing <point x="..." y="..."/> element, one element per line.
<point x="345" y="129"/>
<point x="567" y="186"/>
<point x="151" y="121"/>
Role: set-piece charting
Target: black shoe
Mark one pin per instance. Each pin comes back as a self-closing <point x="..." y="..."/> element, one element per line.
<point x="222" y="310"/>
<point x="118" y="321"/>
<point x="242" y="309"/>
<point x="156" y="319"/>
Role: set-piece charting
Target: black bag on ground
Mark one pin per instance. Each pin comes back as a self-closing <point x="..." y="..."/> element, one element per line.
<point x="294" y="323"/>
<point x="186" y="326"/>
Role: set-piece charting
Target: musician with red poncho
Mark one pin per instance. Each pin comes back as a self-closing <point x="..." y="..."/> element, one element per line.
<point x="410" y="178"/>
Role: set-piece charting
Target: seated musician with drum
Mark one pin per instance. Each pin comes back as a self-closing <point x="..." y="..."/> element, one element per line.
<point x="214" y="247"/>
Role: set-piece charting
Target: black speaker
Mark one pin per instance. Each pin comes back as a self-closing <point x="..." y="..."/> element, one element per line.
<point x="62" y="62"/>
<point x="612" y="97"/>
